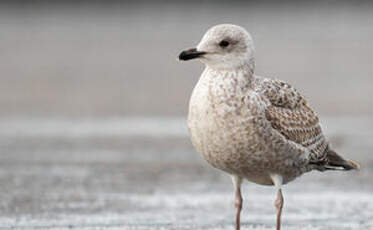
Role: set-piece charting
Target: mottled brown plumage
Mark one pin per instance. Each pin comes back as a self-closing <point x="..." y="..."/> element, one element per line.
<point x="290" y="114"/>
<point x="253" y="128"/>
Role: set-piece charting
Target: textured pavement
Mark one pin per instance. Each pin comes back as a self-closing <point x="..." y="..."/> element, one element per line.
<point x="62" y="178"/>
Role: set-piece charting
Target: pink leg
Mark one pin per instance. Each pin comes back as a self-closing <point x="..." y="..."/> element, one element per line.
<point x="237" y="200"/>
<point x="279" y="203"/>
<point x="277" y="182"/>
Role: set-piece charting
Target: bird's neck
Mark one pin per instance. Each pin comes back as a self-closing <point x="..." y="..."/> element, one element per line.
<point x="238" y="77"/>
<point x="225" y="84"/>
<point x="246" y="65"/>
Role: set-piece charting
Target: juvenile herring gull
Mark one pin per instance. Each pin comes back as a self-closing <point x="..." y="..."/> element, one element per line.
<point x="254" y="128"/>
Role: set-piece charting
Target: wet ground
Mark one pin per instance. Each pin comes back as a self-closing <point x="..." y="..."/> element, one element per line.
<point x="101" y="174"/>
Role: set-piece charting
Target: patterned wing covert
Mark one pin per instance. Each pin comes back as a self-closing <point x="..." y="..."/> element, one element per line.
<point x="290" y="115"/>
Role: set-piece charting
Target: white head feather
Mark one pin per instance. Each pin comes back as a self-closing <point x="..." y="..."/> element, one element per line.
<point x="227" y="47"/>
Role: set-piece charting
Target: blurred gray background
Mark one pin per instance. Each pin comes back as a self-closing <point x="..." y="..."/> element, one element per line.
<point x="120" y="59"/>
<point x="93" y="105"/>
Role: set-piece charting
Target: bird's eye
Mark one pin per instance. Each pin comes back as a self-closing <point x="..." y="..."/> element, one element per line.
<point x="223" y="43"/>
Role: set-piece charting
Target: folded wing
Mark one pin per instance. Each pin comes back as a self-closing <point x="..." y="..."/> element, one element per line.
<point x="291" y="116"/>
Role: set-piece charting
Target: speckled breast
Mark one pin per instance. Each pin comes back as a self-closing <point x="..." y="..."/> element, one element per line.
<point x="224" y="131"/>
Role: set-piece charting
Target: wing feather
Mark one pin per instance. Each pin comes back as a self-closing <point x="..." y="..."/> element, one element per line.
<point x="290" y="115"/>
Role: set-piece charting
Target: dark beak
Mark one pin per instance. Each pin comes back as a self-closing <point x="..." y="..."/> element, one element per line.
<point x="190" y="54"/>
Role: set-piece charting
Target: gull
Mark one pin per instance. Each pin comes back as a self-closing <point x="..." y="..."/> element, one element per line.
<point x="251" y="127"/>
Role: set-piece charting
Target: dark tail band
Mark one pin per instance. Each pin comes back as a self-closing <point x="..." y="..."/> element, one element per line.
<point x="333" y="161"/>
<point x="336" y="161"/>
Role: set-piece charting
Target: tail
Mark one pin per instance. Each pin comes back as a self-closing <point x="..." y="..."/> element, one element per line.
<point x="333" y="161"/>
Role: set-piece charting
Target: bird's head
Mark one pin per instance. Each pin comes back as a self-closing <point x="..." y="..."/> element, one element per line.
<point x="223" y="46"/>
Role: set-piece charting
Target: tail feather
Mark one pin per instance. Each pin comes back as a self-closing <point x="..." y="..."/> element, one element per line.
<point x="335" y="161"/>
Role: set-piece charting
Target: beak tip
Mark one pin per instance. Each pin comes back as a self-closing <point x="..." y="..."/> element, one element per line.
<point x="182" y="56"/>
<point x="190" y="54"/>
